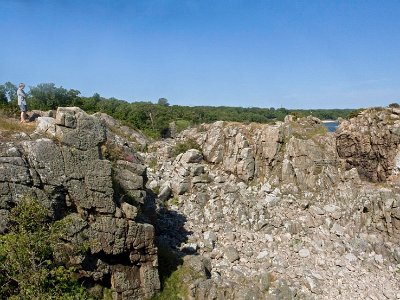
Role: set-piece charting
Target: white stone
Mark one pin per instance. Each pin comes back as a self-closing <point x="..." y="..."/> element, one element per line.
<point x="266" y="188"/>
<point x="330" y="208"/>
<point x="269" y="238"/>
<point x="263" y="254"/>
<point x="316" y="210"/>
<point x="397" y="160"/>
<point x="304" y="253"/>
<point x="153" y="184"/>
<point x="350" y="257"/>
<point x="378" y="258"/>
<point x="209" y="235"/>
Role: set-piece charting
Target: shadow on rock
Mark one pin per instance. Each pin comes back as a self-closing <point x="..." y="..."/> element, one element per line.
<point x="33" y="117"/>
<point x="171" y="235"/>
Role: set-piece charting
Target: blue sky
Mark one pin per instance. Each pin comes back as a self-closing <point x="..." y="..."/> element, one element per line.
<point x="293" y="54"/>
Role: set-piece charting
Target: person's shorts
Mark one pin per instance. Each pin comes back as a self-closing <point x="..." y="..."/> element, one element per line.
<point x="23" y="107"/>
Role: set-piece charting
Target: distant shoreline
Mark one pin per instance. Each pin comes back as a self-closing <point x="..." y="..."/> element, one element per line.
<point x="329" y="121"/>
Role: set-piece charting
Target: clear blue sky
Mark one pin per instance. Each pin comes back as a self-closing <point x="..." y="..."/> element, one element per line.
<point x="294" y="54"/>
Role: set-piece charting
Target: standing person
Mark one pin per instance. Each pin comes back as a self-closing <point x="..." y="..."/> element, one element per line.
<point x="22" y="102"/>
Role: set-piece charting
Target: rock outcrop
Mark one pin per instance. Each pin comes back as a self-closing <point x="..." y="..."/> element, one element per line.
<point x="97" y="185"/>
<point x="281" y="212"/>
<point x="371" y="143"/>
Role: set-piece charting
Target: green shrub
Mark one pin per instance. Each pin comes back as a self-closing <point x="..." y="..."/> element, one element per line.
<point x="353" y="113"/>
<point x="185" y="146"/>
<point x="175" y="276"/>
<point x="168" y="262"/>
<point x="153" y="163"/>
<point x="173" y="201"/>
<point x="10" y="109"/>
<point x="176" y="286"/>
<point x="182" y="125"/>
<point x="27" y="268"/>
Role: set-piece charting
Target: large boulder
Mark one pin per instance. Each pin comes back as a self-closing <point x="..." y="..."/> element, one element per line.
<point x="100" y="199"/>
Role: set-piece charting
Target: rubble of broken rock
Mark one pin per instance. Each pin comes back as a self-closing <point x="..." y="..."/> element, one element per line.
<point x="255" y="211"/>
<point x="285" y="211"/>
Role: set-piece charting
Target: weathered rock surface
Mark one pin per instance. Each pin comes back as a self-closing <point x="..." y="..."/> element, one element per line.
<point x="285" y="211"/>
<point x="64" y="164"/>
<point x="371" y="143"/>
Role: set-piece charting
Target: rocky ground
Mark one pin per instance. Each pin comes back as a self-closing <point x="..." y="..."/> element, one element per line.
<point x="282" y="212"/>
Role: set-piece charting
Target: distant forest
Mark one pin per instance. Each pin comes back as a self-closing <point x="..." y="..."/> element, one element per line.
<point x="153" y="118"/>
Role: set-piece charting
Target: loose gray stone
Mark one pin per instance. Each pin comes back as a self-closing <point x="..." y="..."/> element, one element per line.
<point x="231" y="254"/>
<point x="337" y="229"/>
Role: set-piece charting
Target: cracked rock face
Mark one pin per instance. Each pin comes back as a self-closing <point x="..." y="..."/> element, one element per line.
<point x="64" y="166"/>
<point x="280" y="213"/>
<point x="286" y="154"/>
<point x="370" y="142"/>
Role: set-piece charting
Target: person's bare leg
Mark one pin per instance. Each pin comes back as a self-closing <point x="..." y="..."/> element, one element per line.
<point x="22" y="117"/>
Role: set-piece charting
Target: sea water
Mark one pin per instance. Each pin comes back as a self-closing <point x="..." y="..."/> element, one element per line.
<point x="331" y="125"/>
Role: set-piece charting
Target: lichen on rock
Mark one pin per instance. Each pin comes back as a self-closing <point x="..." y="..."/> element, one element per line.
<point x="64" y="167"/>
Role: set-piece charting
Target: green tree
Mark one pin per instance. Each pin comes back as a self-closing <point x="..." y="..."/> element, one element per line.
<point x="163" y="102"/>
<point x="10" y="90"/>
<point x="3" y="96"/>
<point x="89" y="104"/>
<point x="47" y="96"/>
<point x="73" y="99"/>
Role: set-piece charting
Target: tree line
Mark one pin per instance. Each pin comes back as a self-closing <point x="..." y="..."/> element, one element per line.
<point x="152" y="118"/>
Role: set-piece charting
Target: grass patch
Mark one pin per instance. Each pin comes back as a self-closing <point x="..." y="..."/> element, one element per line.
<point x="177" y="285"/>
<point x="10" y="126"/>
<point x="112" y="152"/>
<point x="173" y="202"/>
<point x="168" y="263"/>
<point x="353" y="114"/>
<point x="305" y="133"/>
<point x="185" y="146"/>
<point x="153" y="163"/>
<point x="156" y="190"/>
<point x="175" y="276"/>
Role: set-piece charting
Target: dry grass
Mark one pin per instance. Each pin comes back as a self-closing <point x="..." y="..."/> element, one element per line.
<point x="306" y="131"/>
<point x="10" y="125"/>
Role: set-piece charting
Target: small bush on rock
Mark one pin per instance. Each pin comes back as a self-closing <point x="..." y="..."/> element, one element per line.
<point x="354" y="114"/>
<point x="185" y="146"/>
<point x="27" y="267"/>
